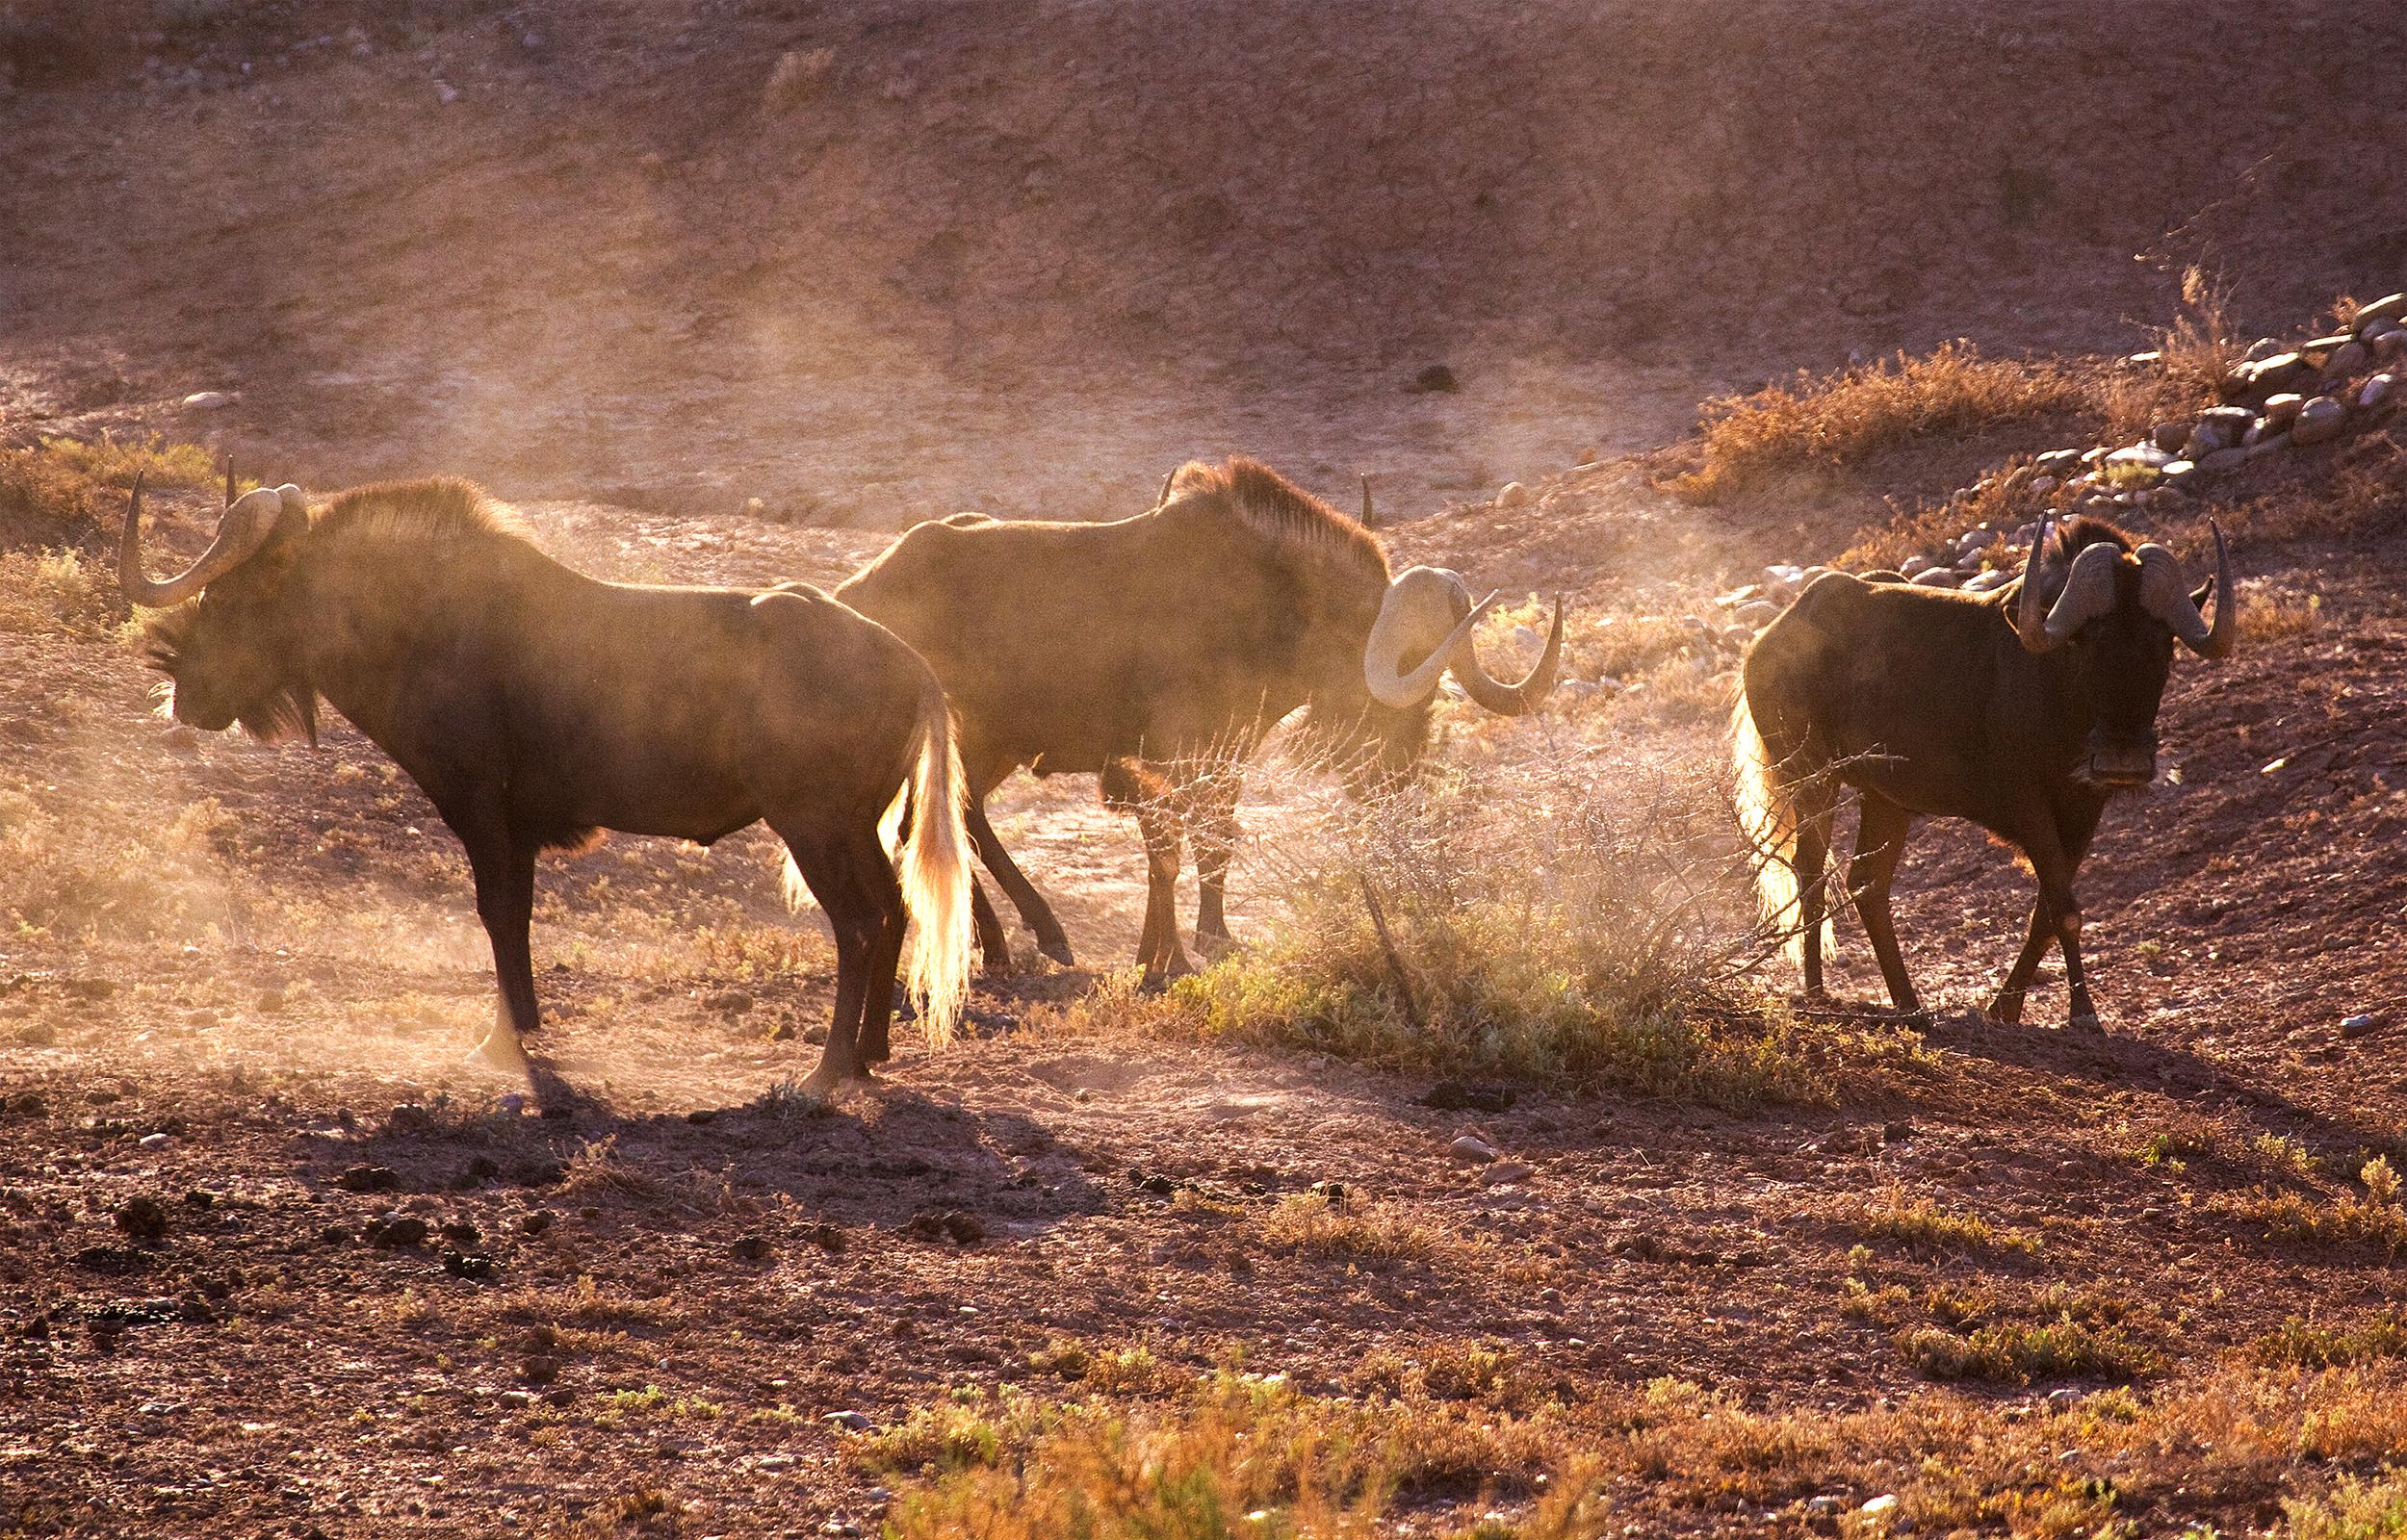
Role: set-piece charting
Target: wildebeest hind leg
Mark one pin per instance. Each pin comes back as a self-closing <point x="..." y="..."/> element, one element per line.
<point x="1039" y="914"/>
<point x="1811" y="861"/>
<point x="876" y="880"/>
<point x="993" y="947"/>
<point x="1879" y="841"/>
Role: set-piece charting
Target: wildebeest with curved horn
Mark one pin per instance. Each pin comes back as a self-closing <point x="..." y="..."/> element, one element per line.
<point x="2022" y="710"/>
<point x="1158" y="651"/>
<point x="536" y="707"/>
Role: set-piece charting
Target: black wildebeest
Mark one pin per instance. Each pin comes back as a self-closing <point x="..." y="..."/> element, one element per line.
<point x="1157" y="651"/>
<point x="2022" y="710"/>
<point x="536" y="707"/>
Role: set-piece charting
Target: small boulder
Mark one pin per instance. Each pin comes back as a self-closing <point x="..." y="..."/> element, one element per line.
<point x="1437" y="379"/>
<point x="2347" y="360"/>
<point x="2376" y="391"/>
<point x="141" y="1217"/>
<point x="2222" y="460"/>
<point x="1472" y="1149"/>
<point x="209" y="401"/>
<point x="2320" y="421"/>
<point x="1513" y="495"/>
<point x="849" y="1422"/>
<point x="1937" y="578"/>
<point x="2391" y="308"/>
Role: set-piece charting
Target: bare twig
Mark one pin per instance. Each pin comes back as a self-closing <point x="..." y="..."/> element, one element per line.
<point x="1395" y="960"/>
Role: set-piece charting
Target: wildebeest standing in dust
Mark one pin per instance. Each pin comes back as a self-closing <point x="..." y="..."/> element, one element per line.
<point x="2022" y="710"/>
<point x="1158" y="651"/>
<point x="536" y="707"/>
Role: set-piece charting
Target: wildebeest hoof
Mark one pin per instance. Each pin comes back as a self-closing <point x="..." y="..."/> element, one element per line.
<point x="2006" y="1012"/>
<point x="2085" y="1022"/>
<point x="1059" y="952"/>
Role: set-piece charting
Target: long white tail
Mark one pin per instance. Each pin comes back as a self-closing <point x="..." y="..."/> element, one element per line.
<point x="935" y="873"/>
<point x="1769" y="818"/>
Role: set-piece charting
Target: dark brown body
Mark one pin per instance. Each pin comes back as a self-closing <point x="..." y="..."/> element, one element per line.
<point x="536" y="705"/>
<point x="1156" y="651"/>
<point x="1930" y="704"/>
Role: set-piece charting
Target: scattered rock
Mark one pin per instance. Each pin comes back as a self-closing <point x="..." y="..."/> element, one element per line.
<point x="155" y="1141"/>
<point x="1472" y="1149"/>
<point x="1454" y="1096"/>
<point x="1513" y="495"/>
<point x="1504" y="1172"/>
<point x="209" y="401"/>
<point x="753" y="1249"/>
<point x="1881" y="1509"/>
<point x="538" y="1222"/>
<point x="773" y="1464"/>
<point x="142" y="1219"/>
<point x="2389" y="308"/>
<point x="2222" y="460"/>
<point x="369" y="1179"/>
<point x="473" y="1266"/>
<point x="2356" y="1026"/>
<point x="849" y="1422"/>
<point x="2376" y="391"/>
<point x="539" y="1369"/>
<point x="1938" y="578"/>
<point x="2320" y="421"/>
<point x="1437" y="379"/>
<point x="2347" y="360"/>
<point x="954" y="1225"/>
<point x="459" y="1232"/>
<point x="729" y="1002"/>
<point x="396" y="1234"/>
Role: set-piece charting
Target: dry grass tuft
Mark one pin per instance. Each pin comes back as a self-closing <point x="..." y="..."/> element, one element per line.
<point x="1565" y="918"/>
<point x="1817" y="423"/>
<point x="1927" y="1229"/>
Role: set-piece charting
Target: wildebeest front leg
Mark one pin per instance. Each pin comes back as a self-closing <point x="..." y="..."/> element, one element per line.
<point x="2055" y="847"/>
<point x="1215" y="823"/>
<point x="1879" y="841"/>
<point x="1158" y="951"/>
<point x="825" y="871"/>
<point x="505" y="870"/>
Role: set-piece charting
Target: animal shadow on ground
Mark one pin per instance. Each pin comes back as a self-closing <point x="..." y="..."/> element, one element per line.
<point x="2135" y="1063"/>
<point x="883" y="1156"/>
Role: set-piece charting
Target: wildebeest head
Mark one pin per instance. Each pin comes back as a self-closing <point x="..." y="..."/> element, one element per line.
<point x="226" y="641"/>
<point x="2117" y="609"/>
<point x="1424" y="629"/>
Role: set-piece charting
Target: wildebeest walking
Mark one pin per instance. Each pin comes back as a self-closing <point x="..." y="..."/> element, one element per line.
<point x="536" y="707"/>
<point x="2022" y="710"/>
<point x="1158" y="651"/>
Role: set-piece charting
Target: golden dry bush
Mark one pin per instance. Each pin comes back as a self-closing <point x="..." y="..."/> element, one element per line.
<point x="1823" y="422"/>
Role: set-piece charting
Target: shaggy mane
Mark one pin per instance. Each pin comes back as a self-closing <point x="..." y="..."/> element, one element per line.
<point x="1278" y="509"/>
<point x="2080" y="530"/>
<point x="433" y="510"/>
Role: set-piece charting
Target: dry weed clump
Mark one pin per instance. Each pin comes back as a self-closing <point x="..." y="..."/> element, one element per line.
<point x="1926" y="1228"/>
<point x="1567" y="918"/>
<point x="1821" y="422"/>
<point x="76" y="871"/>
<point x="1246" y="1455"/>
<point x="56" y="591"/>
<point x="2378" y="1218"/>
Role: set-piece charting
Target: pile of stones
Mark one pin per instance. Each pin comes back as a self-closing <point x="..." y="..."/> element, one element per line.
<point x="2278" y="396"/>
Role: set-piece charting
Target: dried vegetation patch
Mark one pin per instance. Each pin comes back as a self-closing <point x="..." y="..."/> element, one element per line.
<point x="1565" y="918"/>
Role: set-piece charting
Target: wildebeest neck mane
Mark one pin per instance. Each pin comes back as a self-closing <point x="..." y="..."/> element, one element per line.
<point x="1279" y="510"/>
<point x="440" y="510"/>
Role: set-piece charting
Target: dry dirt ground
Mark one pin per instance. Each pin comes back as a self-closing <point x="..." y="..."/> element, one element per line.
<point x="617" y="281"/>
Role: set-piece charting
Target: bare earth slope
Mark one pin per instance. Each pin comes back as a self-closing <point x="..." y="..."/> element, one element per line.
<point x="1029" y="254"/>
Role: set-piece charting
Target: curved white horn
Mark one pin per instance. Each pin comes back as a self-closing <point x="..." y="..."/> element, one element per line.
<point x="2166" y="594"/>
<point x="248" y="521"/>
<point x="1421" y="602"/>
<point x="2088" y="592"/>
